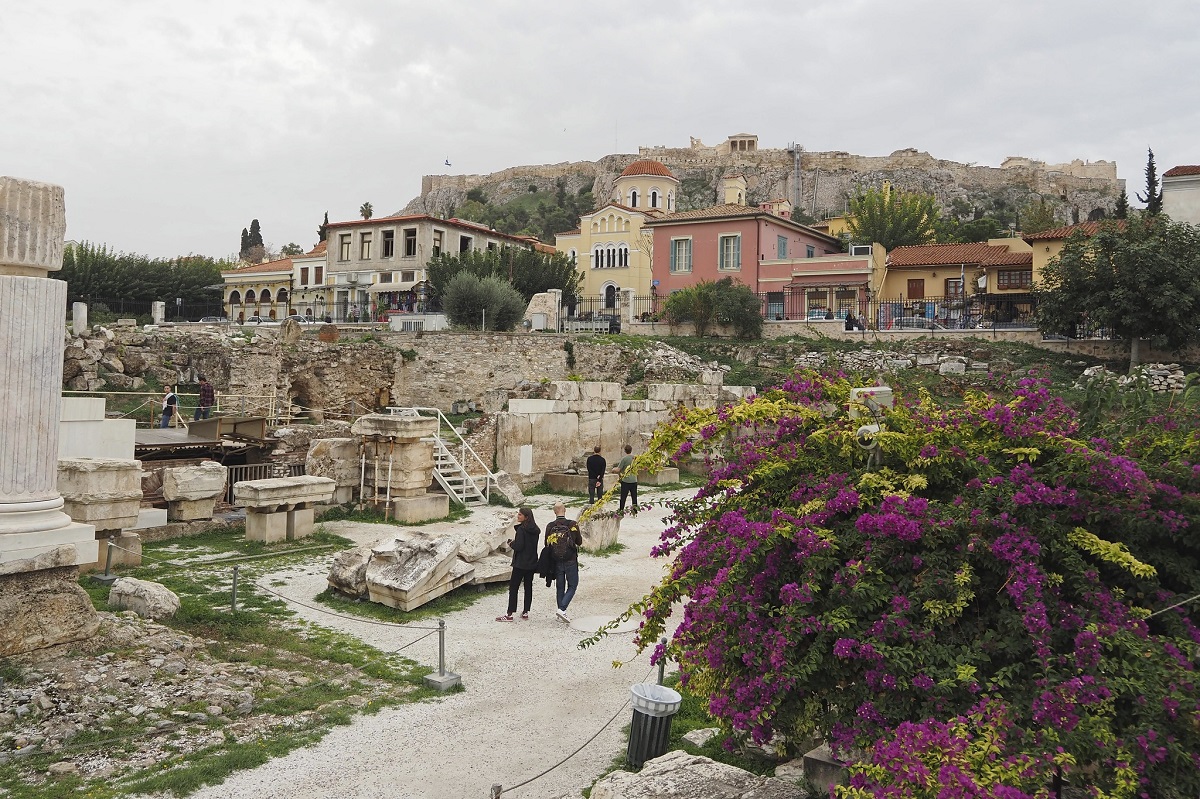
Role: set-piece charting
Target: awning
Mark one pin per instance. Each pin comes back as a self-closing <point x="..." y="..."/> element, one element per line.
<point x="825" y="281"/>
<point x="387" y="288"/>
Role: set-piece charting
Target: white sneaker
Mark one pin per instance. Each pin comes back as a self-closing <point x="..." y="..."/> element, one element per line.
<point x="562" y="614"/>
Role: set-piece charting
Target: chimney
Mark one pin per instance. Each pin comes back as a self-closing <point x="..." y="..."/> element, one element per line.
<point x="734" y="189"/>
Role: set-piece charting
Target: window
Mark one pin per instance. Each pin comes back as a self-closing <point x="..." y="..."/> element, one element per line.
<point x="437" y="242"/>
<point x="610" y="296"/>
<point x="364" y="246"/>
<point x="1014" y="279"/>
<point x="809" y="251"/>
<point x="681" y="255"/>
<point x="780" y="248"/>
<point x="464" y="243"/>
<point x="954" y="287"/>
<point x="384" y="277"/>
<point x="916" y="289"/>
<point x="250" y="297"/>
<point x="860" y="249"/>
<point x="304" y="276"/>
<point x="344" y="247"/>
<point x="264" y="295"/>
<point x="654" y="198"/>
<point x="491" y="245"/>
<point x="729" y="252"/>
<point x="389" y="243"/>
<point x="633" y="198"/>
<point x="622" y="254"/>
<point x="319" y="275"/>
<point x="408" y="277"/>
<point x="573" y="256"/>
<point x="410" y="242"/>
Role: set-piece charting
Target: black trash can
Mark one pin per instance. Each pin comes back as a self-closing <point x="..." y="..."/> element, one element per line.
<point x="654" y="706"/>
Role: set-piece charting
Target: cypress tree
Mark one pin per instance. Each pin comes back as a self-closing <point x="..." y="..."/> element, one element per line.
<point x="1153" y="196"/>
<point x="323" y="230"/>
<point x="1121" y="211"/>
<point x="245" y="243"/>
<point x="255" y="239"/>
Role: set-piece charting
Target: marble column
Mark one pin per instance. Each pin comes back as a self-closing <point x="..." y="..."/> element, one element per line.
<point x="32" y="327"/>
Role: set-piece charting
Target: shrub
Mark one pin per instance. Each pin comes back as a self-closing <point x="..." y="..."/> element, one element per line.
<point x="470" y="302"/>
<point x="724" y="302"/>
<point x="987" y="600"/>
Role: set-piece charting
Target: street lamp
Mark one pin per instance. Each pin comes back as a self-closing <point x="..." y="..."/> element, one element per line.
<point x="178" y="309"/>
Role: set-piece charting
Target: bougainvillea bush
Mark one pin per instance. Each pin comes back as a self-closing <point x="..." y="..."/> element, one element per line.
<point x="983" y="606"/>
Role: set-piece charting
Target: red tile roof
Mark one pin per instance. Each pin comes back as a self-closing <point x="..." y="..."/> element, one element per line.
<point x="280" y="265"/>
<point x="646" y="167"/>
<point x="574" y="232"/>
<point x="946" y="254"/>
<point x="1088" y="228"/>
<point x="1181" y="171"/>
<point x="318" y="250"/>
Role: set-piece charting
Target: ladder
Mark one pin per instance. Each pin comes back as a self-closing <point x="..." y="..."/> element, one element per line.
<point x="451" y="470"/>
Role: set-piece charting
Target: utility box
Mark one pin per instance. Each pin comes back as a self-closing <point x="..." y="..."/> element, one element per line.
<point x="870" y="402"/>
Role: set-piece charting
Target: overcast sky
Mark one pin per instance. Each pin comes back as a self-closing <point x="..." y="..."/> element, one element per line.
<point x="172" y="125"/>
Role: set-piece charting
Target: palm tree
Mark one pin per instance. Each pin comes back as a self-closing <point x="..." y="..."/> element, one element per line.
<point x="366" y="210"/>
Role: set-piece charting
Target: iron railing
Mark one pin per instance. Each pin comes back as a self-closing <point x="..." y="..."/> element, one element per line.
<point x="259" y="471"/>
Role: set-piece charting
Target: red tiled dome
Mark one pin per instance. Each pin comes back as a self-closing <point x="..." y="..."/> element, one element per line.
<point x="646" y="168"/>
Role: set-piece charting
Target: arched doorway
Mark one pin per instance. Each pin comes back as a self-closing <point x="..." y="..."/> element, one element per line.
<point x="610" y="296"/>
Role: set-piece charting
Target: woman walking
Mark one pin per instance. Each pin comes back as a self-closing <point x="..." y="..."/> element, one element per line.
<point x="524" y="545"/>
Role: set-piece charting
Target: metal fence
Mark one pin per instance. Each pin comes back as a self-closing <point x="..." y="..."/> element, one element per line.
<point x="612" y="305"/>
<point x="259" y="471"/>
<point x="101" y="309"/>
<point x="950" y="312"/>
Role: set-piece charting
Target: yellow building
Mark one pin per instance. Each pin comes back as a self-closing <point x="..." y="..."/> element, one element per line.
<point x="610" y="249"/>
<point x="1049" y="243"/>
<point x="262" y="290"/>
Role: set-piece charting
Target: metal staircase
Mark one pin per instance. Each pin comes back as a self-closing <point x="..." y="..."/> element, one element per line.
<point x="454" y="460"/>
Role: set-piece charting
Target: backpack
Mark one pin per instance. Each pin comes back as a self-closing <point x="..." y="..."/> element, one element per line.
<point x="563" y="545"/>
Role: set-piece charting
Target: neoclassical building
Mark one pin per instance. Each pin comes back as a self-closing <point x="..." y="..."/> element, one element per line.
<point x="610" y="249"/>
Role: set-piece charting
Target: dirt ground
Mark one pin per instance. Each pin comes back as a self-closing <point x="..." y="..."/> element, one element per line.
<point x="532" y="695"/>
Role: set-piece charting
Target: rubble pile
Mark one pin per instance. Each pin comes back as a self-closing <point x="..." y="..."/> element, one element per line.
<point x="1159" y="377"/>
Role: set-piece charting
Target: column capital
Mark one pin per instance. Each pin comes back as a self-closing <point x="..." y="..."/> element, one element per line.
<point x="33" y="222"/>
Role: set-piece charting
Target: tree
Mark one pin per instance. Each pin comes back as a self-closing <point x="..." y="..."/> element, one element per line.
<point x="1153" y="196"/>
<point x="95" y="271"/>
<point x="323" y="230"/>
<point x="723" y="302"/>
<point x="489" y="303"/>
<point x="892" y="218"/>
<point x="954" y="231"/>
<point x="1039" y="216"/>
<point x="976" y="586"/>
<point x="245" y="247"/>
<point x="366" y="211"/>
<point x="528" y="272"/>
<point x="1139" y="279"/>
<point x="291" y="248"/>
<point x="1121" y="210"/>
<point x="255" y="238"/>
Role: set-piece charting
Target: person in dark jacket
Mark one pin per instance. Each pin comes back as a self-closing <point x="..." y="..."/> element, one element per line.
<point x="564" y="539"/>
<point x="596" y="466"/>
<point x="524" y="545"/>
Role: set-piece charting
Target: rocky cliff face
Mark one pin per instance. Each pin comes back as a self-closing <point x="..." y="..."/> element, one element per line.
<point x="824" y="183"/>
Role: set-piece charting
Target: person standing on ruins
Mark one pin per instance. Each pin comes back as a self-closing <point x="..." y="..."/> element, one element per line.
<point x="207" y="398"/>
<point x="524" y="545"/>
<point x="628" y="480"/>
<point x="564" y="539"/>
<point x="170" y="405"/>
<point x="596" y="466"/>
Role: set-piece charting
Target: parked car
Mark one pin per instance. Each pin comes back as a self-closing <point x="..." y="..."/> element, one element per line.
<point x="304" y="320"/>
<point x="214" y="320"/>
<point x="914" y="323"/>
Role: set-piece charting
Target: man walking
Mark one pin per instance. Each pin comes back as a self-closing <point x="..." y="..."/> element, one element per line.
<point x="207" y="398"/>
<point x="170" y="405"/>
<point x="628" y="480"/>
<point x="564" y="539"/>
<point x="596" y="466"/>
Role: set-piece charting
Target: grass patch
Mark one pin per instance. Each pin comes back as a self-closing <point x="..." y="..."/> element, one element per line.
<point x="460" y="598"/>
<point x="541" y="488"/>
<point x="615" y="548"/>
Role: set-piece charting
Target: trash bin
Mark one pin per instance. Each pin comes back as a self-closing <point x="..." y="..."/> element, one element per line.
<point x="653" y="708"/>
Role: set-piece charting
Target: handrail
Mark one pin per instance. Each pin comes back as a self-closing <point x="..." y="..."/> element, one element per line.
<point x="466" y="448"/>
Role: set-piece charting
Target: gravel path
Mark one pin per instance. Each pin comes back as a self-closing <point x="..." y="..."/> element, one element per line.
<point x="532" y="696"/>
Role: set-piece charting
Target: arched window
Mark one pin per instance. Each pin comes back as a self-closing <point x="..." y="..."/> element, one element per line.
<point x="264" y="295"/>
<point x="610" y="255"/>
<point x="282" y="296"/>
<point x="235" y="297"/>
<point x="272" y="313"/>
<point x="633" y="198"/>
<point x="597" y="257"/>
<point x="623" y="254"/>
<point x="610" y="296"/>
<point x="250" y="296"/>
<point x="654" y="198"/>
<point x="573" y="256"/>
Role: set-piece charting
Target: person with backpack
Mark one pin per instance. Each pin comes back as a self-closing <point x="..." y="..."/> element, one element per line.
<point x="524" y="545"/>
<point x="170" y="405"/>
<point x="564" y="539"/>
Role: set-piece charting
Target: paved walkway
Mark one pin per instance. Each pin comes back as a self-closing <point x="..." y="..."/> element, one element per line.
<point x="532" y="696"/>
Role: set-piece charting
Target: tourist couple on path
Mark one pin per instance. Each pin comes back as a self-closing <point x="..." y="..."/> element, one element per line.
<point x="596" y="466"/>
<point x="563" y="540"/>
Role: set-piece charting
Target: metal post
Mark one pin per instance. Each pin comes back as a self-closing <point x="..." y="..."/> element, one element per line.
<point x="108" y="578"/>
<point x="387" y="505"/>
<point x="496" y="791"/>
<point x="662" y="663"/>
<point x="441" y="646"/>
<point x="233" y="596"/>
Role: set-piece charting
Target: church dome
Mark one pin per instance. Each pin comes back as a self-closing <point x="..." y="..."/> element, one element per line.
<point x="646" y="167"/>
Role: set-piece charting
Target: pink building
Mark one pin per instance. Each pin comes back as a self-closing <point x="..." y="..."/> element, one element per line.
<point x="753" y="246"/>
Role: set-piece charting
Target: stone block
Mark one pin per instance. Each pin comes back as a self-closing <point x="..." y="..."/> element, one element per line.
<point x="147" y="599"/>
<point x="662" y="477"/>
<point x="600" y="530"/>
<point x="348" y="574"/>
<point x="509" y="490"/>
<point x="604" y="391"/>
<point x="401" y="428"/>
<point x="566" y="390"/>
<point x="282" y="492"/>
<point x="952" y="368"/>
<point x="400" y="568"/>
<point x="44" y="607"/>
<point x="563" y="483"/>
<point x="190" y="510"/>
<point x="420" y="508"/>
<point x="103" y="492"/>
<point x="201" y="481"/>
<point x="299" y="523"/>
<point x="535" y="406"/>
<point x="661" y="392"/>
<point x="127" y="551"/>
<point x="822" y="769"/>
<point x="589" y="429"/>
<point x="409" y="472"/>
<point x="492" y="569"/>
<point x="335" y="458"/>
<point x="270" y="528"/>
<point x="555" y="441"/>
<point x="678" y="774"/>
<point x="459" y="575"/>
<point x="328" y="333"/>
<point x="512" y="432"/>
